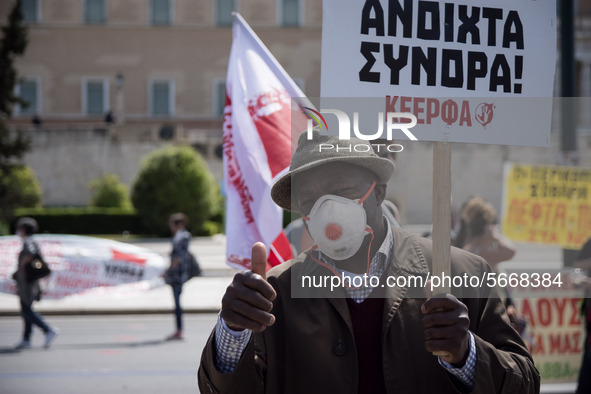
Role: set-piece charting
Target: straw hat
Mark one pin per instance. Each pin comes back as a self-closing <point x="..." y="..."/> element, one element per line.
<point x="316" y="152"/>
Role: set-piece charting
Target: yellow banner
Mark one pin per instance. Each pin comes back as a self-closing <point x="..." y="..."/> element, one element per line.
<point x="547" y="204"/>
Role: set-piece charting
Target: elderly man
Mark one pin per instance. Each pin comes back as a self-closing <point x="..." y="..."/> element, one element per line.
<point x="298" y="330"/>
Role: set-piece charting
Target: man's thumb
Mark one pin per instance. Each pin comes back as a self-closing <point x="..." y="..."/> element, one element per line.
<point x="258" y="259"/>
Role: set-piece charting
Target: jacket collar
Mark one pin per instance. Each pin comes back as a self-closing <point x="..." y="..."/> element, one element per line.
<point x="407" y="260"/>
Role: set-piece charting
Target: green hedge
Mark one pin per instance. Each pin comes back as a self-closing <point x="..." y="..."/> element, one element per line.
<point x="208" y="228"/>
<point x="93" y="220"/>
<point x="86" y="220"/>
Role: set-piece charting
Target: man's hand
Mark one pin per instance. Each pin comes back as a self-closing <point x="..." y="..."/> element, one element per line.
<point x="445" y="324"/>
<point x="248" y="299"/>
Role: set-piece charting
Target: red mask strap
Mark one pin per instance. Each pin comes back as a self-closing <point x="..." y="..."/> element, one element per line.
<point x="335" y="273"/>
<point x="373" y="185"/>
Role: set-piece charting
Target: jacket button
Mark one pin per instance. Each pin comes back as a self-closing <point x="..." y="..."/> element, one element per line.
<point x="340" y="348"/>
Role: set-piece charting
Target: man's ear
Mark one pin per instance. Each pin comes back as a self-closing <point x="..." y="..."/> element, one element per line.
<point x="380" y="191"/>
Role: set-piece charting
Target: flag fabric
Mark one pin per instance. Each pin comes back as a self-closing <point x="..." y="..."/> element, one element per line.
<point x="258" y="119"/>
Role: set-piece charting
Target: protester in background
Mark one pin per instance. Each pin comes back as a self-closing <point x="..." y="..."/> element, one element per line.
<point x="583" y="262"/>
<point x="30" y="291"/>
<point x="357" y="338"/>
<point x="178" y="272"/>
<point x="478" y="233"/>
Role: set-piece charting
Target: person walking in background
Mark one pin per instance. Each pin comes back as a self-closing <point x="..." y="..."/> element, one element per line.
<point x="29" y="291"/>
<point x="180" y="260"/>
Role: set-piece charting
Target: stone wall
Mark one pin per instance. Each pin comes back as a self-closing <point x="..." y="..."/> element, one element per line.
<point x="66" y="160"/>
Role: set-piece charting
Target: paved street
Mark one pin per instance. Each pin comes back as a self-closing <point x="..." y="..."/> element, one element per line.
<point x="104" y="354"/>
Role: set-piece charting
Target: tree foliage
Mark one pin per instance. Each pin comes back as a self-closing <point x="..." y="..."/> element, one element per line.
<point x="109" y="192"/>
<point x="22" y="189"/>
<point x="13" y="145"/>
<point x="174" y="179"/>
<point x="13" y="43"/>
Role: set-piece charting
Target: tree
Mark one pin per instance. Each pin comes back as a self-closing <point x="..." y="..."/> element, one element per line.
<point x="22" y="189"/>
<point x="174" y="179"/>
<point x="12" y="145"/>
<point x="109" y="192"/>
<point x="14" y="42"/>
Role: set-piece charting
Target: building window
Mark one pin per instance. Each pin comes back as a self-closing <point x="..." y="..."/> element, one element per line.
<point x="161" y="12"/>
<point x="161" y="98"/>
<point x="95" y="11"/>
<point x="224" y="12"/>
<point x="219" y="96"/>
<point x="290" y="12"/>
<point x="28" y="91"/>
<point x="96" y="97"/>
<point x="31" y="10"/>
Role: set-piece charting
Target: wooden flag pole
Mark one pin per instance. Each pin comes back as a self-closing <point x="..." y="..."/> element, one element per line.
<point x="441" y="212"/>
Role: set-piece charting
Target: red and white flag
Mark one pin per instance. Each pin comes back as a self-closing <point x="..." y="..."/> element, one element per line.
<point x="258" y="119"/>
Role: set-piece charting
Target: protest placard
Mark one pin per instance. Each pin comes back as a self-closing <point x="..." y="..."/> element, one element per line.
<point x="470" y="71"/>
<point x="84" y="265"/>
<point x="552" y="311"/>
<point x="547" y="204"/>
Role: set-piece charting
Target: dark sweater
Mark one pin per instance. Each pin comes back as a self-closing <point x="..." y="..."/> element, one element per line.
<point x="367" y="328"/>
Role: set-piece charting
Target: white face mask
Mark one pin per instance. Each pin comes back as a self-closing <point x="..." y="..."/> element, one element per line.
<point x="338" y="225"/>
